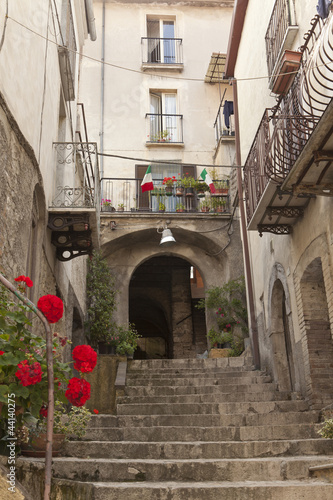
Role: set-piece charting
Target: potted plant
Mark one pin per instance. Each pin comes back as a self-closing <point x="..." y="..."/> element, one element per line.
<point x="101" y="297"/>
<point x="121" y="207"/>
<point x="162" y="136"/>
<point x="201" y="188"/>
<point x="107" y="205"/>
<point x="128" y="339"/>
<point x="188" y="183"/>
<point x="218" y="204"/>
<point x="161" y="207"/>
<point x="168" y="182"/>
<point x="221" y="187"/>
<point x="68" y="424"/>
<point x="205" y="205"/>
<point x="180" y="207"/>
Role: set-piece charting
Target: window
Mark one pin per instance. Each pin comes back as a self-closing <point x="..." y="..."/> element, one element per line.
<point x="161" y="46"/>
<point x="165" y="125"/>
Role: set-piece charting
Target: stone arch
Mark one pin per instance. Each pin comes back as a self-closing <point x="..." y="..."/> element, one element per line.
<point x="317" y="335"/>
<point x="281" y="330"/>
<point x="161" y="305"/>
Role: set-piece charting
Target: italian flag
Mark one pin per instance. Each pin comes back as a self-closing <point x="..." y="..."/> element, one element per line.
<point x="208" y="180"/>
<point x="147" y="183"/>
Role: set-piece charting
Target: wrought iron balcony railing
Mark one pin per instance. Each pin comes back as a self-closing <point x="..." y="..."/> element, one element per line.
<point x="285" y="130"/>
<point x="280" y="32"/>
<point x="162" y="51"/>
<point x="78" y="185"/>
<point x="164" y="128"/>
<point x="125" y="195"/>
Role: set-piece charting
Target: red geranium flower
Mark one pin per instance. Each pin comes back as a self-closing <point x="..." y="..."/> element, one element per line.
<point x="85" y="358"/>
<point x="96" y="411"/>
<point x="2" y="352"/>
<point x="78" y="391"/>
<point x="25" y="279"/>
<point x="43" y="411"/>
<point x="52" y="307"/>
<point x="29" y="374"/>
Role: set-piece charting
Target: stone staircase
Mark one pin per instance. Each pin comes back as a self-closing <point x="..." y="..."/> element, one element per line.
<point x="210" y="429"/>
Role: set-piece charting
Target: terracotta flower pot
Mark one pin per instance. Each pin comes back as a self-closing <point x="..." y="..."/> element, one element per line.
<point x="37" y="446"/>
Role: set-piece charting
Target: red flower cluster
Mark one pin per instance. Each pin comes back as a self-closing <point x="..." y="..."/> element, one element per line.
<point x="169" y="180"/>
<point x="52" y="307"/>
<point x="29" y="374"/>
<point x="78" y="391"/>
<point x="85" y="358"/>
<point x="96" y="411"/>
<point x="43" y="411"/>
<point x="25" y="279"/>
<point x="2" y="352"/>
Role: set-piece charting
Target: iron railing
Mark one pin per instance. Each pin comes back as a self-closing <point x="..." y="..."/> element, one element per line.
<point x="224" y="125"/>
<point x="125" y="195"/>
<point x="285" y="130"/>
<point x="163" y="128"/>
<point x="77" y="176"/>
<point x="162" y="50"/>
<point x="283" y="16"/>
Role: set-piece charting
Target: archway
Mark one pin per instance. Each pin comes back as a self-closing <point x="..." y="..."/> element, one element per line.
<point x="281" y="340"/>
<point x="318" y="337"/>
<point x="163" y="292"/>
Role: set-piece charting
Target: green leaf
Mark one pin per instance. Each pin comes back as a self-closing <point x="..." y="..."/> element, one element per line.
<point x="19" y="390"/>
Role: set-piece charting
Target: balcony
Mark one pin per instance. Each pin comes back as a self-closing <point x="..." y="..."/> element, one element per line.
<point x="162" y="53"/>
<point x="291" y="158"/>
<point x="280" y="35"/>
<point x="75" y="208"/>
<point x="124" y="195"/>
<point x="164" y="129"/>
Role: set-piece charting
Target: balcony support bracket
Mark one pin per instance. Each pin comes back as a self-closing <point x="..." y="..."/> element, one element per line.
<point x="274" y="228"/>
<point x="290" y="212"/>
<point x="71" y="235"/>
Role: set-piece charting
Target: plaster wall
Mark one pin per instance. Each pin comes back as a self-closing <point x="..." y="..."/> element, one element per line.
<point x="127" y="92"/>
<point x="268" y="251"/>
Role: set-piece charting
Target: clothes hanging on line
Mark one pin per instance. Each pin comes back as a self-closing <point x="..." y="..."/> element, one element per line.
<point x="228" y="110"/>
<point x="323" y="8"/>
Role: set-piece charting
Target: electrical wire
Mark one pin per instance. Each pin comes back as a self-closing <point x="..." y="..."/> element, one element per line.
<point x="124" y="68"/>
<point x="168" y="162"/>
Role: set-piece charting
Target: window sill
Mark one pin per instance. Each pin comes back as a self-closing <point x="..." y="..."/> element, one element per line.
<point x="165" y="144"/>
<point x="162" y="67"/>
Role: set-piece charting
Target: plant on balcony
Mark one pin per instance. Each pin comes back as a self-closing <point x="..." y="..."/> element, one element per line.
<point x="169" y="181"/>
<point x="163" y="136"/>
<point x="161" y="207"/>
<point x="221" y="186"/>
<point x="121" y="207"/>
<point x="201" y="188"/>
<point x="218" y="204"/>
<point x="106" y="205"/>
<point x="205" y="205"/>
<point x="180" y="207"/>
<point x="188" y="181"/>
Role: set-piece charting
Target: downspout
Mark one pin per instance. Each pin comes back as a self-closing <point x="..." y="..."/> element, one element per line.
<point x="101" y="134"/>
<point x="248" y="274"/>
<point x="91" y="19"/>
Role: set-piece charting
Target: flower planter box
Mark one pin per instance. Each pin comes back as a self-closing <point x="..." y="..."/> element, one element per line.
<point x="286" y="71"/>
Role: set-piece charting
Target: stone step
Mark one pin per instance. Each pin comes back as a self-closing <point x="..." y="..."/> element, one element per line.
<point x="258" y="419"/>
<point x="199" y="470"/>
<point x="187" y="378"/>
<point x="148" y="365"/>
<point x="230" y="386"/>
<point x="230" y="433"/>
<point x="172" y="450"/>
<point x="225" y="397"/>
<point x="216" y="372"/>
<point x="214" y="409"/>
<point x="246" y="490"/>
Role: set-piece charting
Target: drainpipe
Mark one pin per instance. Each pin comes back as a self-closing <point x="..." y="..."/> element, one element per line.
<point x="101" y="134"/>
<point x="91" y="19"/>
<point x="248" y="275"/>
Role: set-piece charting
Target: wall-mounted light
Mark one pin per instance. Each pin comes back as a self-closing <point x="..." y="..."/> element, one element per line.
<point x="167" y="238"/>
